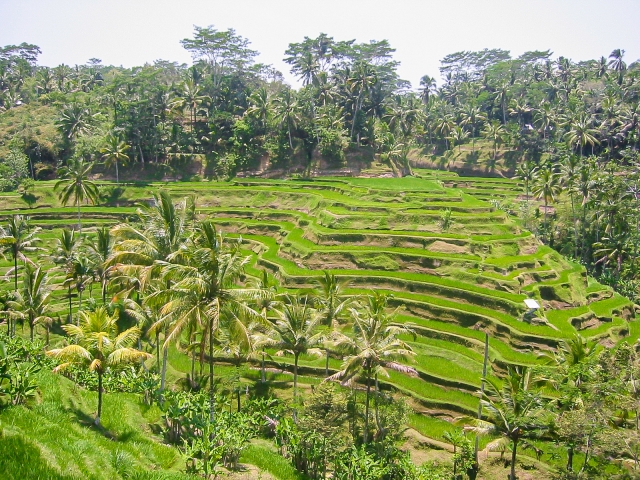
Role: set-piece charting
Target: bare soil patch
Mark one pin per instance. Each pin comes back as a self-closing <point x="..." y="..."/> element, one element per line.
<point x="444" y="247"/>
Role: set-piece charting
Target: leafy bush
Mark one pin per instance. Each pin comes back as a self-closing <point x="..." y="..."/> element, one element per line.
<point x="20" y="361"/>
<point x="14" y="167"/>
<point x="207" y="444"/>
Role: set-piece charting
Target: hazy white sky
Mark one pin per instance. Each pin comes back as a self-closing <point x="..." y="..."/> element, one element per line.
<point x="132" y="32"/>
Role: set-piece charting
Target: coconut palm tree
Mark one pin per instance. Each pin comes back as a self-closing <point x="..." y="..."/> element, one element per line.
<point x="79" y="275"/>
<point x="332" y="301"/>
<point x="581" y="133"/>
<point x="113" y="152"/>
<point x="74" y="184"/>
<point x="296" y="330"/>
<point x="98" y="346"/>
<point x="64" y="255"/>
<point x="362" y="78"/>
<point x="546" y="186"/>
<point x="473" y="117"/>
<point x="514" y="411"/>
<point x="100" y="249"/>
<point x="32" y="301"/>
<point x="494" y="132"/>
<point x="373" y="348"/>
<point x="75" y="119"/>
<point x="287" y="110"/>
<point x="617" y="64"/>
<point x="428" y="86"/>
<point x="203" y="293"/>
<point x="150" y="250"/>
<point x="260" y="106"/>
<point x="18" y="239"/>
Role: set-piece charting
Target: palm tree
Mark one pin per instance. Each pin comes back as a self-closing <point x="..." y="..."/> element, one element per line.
<point x="617" y="64"/>
<point x="18" y="238"/>
<point x="145" y="316"/>
<point x="330" y="292"/>
<point x="472" y="116"/>
<point x="114" y="152"/>
<point x="204" y="291"/>
<point x="494" y="131"/>
<point x="502" y="95"/>
<point x="362" y="78"/>
<point x="287" y="110"/>
<point x="98" y="346"/>
<point x="428" y="85"/>
<point x="32" y="301"/>
<point x="580" y="133"/>
<point x="80" y="274"/>
<point x="260" y="106"/>
<point x="64" y="255"/>
<point x="373" y="348"/>
<point x="571" y="368"/>
<point x="614" y="248"/>
<point x="296" y="330"/>
<point x="166" y="227"/>
<point x="570" y="171"/>
<point x="74" y="183"/>
<point x="514" y="411"/>
<point x="75" y="119"/>
<point x="100" y="250"/>
<point x="547" y="187"/>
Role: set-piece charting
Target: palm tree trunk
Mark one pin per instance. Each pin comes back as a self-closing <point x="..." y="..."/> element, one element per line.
<point x="158" y="349"/>
<point x="31" y="327"/>
<point x="70" y="307"/>
<point x="211" y="371"/>
<point x="263" y="377"/>
<point x="15" y="271"/>
<point x="97" y="421"/>
<point x="570" y="459"/>
<point x="366" y="409"/>
<point x="326" y="366"/>
<point x="513" y="460"/>
<point x="295" y="376"/>
<point x="79" y="221"/>
<point x="163" y="373"/>
<point x="546" y="227"/>
<point x="289" y="132"/>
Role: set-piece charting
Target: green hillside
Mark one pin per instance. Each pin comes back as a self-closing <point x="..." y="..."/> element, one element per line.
<point x="456" y="266"/>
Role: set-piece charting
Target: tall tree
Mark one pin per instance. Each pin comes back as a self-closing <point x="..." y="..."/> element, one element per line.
<point x="514" y="410"/>
<point x="373" y="347"/>
<point x="204" y="289"/>
<point x="74" y="184"/>
<point x="546" y="186"/>
<point x="32" y="303"/>
<point x="98" y="346"/>
<point x="115" y="152"/>
<point x="18" y="238"/>
<point x="165" y="229"/>
<point x="296" y="330"/>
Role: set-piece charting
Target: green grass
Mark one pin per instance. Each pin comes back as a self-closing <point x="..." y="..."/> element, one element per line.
<point x="60" y="428"/>
<point x="269" y="461"/>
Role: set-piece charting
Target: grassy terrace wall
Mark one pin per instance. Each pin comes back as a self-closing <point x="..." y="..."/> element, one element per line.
<point x="454" y="282"/>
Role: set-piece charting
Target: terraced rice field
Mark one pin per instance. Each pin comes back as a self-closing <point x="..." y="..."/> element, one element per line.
<point x="454" y="284"/>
